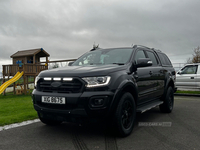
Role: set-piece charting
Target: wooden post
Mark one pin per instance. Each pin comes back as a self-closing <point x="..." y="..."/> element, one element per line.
<point x="27" y="84"/>
<point x="46" y="63"/>
<point x="24" y="84"/>
<point x="4" y="92"/>
<point x="33" y="59"/>
<point x="25" y="62"/>
<point x="23" y="68"/>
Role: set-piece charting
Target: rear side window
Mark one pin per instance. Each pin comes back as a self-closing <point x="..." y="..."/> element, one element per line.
<point x="164" y="59"/>
<point x="152" y="57"/>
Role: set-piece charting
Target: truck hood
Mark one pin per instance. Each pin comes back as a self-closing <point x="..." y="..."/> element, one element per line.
<point x="82" y="71"/>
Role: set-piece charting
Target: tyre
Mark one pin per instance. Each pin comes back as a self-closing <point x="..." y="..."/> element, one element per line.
<point x="168" y="104"/>
<point x="48" y="121"/>
<point x="125" y="115"/>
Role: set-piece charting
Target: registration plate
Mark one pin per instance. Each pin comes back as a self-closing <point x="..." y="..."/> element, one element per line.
<point x="53" y="100"/>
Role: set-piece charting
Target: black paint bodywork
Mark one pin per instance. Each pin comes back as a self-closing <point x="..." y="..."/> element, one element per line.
<point x="146" y="84"/>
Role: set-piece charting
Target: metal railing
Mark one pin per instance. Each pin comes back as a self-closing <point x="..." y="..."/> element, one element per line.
<point x="178" y="66"/>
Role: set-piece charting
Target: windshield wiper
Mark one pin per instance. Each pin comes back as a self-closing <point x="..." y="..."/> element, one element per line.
<point x="95" y="63"/>
<point x="118" y="63"/>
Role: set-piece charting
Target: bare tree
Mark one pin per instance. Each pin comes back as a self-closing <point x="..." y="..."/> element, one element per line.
<point x="196" y="56"/>
<point x="189" y="61"/>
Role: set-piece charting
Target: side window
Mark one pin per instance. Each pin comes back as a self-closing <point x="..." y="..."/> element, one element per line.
<point x="189" y="70"/>
<point x="164" y="59"/>
<point x="153" y="58"/>
<point x="139" y="54"/>
<point x="168" y="62"/>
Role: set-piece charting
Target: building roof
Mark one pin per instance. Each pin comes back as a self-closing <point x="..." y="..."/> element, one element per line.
<point x="31" y="52"/>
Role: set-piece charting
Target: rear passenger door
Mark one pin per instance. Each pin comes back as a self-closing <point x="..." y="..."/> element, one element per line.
<point x="157" y="74"/>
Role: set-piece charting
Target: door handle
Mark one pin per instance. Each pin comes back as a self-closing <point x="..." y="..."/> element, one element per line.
<point x="192" y="78"/>
<point x="150" y="72"/>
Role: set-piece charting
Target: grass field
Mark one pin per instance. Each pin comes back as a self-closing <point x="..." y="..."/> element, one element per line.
<point x="188" y="92"/>
<point x="16" y="108"/>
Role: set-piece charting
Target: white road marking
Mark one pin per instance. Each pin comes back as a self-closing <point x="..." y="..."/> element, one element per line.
<point x="6" y="127"/>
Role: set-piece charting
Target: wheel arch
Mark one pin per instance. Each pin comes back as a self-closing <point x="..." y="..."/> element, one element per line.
<point x="126" y="86"/>
<point x="169" y="83"/>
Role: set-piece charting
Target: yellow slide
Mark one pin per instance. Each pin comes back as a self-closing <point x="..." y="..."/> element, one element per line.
<point x="9" y="82"/>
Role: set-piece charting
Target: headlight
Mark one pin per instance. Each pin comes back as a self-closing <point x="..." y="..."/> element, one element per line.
<point x="36" y="80"/>
<point x="97" y="81"/>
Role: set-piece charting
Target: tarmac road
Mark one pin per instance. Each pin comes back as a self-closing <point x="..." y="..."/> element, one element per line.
<point x="153" y="130"/>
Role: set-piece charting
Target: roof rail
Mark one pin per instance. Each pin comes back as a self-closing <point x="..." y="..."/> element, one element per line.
<point x="140" y="46"/>
<point x="147" y="48"/>
<point x="157" y="50"/>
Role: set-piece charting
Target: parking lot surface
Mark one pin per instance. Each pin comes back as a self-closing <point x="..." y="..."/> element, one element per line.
<point x="153" y="130"/>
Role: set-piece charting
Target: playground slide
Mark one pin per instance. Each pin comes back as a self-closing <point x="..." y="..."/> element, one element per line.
<point x="9" y="82"/>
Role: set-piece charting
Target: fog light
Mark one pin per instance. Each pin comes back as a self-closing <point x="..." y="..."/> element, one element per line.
<point x="98" y="101"/>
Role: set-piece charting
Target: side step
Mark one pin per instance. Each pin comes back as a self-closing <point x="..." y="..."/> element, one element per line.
<point x="148" y="106"/>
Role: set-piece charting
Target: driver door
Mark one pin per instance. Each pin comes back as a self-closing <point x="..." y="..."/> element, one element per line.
<point x="187" y="76"/>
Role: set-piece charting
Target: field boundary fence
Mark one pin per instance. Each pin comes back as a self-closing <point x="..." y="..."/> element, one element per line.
<point x="178" y="66"/>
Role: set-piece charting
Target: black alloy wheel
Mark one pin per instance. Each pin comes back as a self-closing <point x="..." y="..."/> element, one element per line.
<point x="168" y="104"/>
<point x="125" y="115"/>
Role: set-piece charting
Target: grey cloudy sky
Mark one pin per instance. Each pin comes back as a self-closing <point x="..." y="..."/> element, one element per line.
<point x="69" y="28"/>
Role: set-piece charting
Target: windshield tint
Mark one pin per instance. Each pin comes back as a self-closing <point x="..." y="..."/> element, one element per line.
<point x="105" y="56"/>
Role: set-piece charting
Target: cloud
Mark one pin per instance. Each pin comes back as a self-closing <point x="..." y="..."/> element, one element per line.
<point x="67" y="29"/>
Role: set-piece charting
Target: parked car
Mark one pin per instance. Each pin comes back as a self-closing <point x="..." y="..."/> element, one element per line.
<point x="106" y="84"/>
<point x="188" y="77"/>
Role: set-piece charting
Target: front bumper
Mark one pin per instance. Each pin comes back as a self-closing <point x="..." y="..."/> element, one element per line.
<point x="79" y="105"/>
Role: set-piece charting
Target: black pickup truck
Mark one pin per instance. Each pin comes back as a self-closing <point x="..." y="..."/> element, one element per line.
<point x="110" y="84"/>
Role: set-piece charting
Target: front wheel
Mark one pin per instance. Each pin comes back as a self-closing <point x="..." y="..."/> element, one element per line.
<point x="168" y="104"/>
<point x="48" y="121"/>
<point x="125" y="115"/>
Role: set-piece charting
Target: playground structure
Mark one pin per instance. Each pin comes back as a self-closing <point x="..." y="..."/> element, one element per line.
<point x="25" y="63"/>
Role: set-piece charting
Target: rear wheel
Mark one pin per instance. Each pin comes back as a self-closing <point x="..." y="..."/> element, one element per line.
<point x="168" y="104"/>
<point x="125" y="115"/>
<point x="48" y="121"/>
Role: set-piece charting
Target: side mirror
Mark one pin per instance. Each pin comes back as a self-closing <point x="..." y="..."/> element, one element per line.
<point x="144" y="62"/>
<point x="179" y="72"/>
<point x="70" y="63"/>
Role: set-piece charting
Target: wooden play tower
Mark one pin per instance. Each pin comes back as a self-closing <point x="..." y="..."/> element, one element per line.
<point x="27" y="61"/>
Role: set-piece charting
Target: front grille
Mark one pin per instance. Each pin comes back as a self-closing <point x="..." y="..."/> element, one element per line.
<point x="74" y="86"/>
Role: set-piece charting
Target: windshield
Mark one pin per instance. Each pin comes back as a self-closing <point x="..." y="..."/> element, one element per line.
<point x="105" y="56"/>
